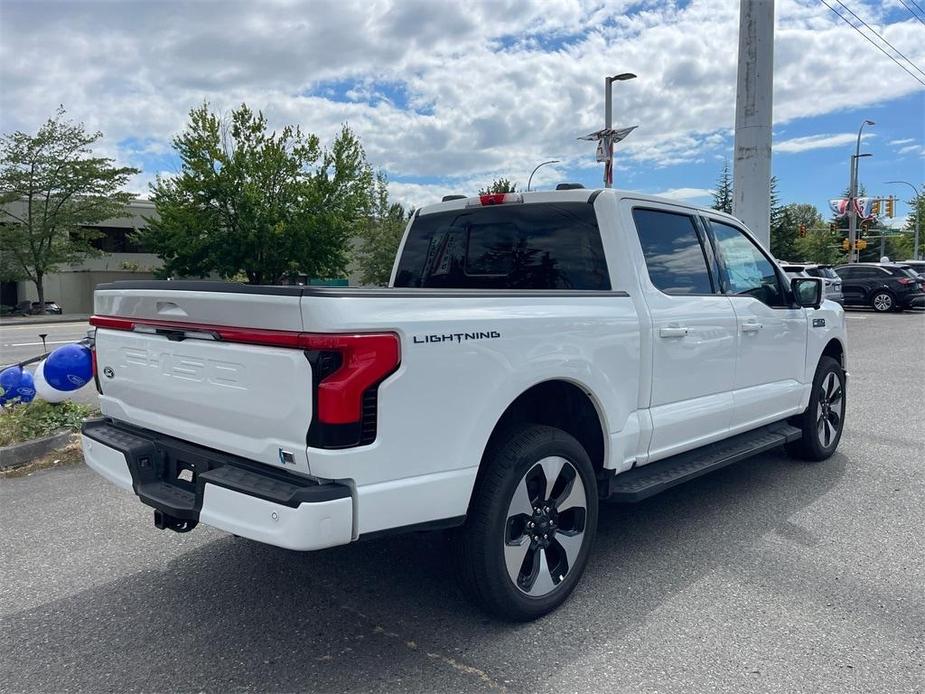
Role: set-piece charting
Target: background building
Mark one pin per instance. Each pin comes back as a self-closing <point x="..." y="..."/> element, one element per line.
<point x="122" y="258"/>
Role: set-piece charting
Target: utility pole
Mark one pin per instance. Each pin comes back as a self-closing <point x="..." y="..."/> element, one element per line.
<point x="751" y="168"/>
<point x="853" y="194"/>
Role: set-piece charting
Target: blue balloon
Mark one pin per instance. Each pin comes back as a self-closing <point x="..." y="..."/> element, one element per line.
<point x="26" y="389"/>
<point x="69" y="367"/>
<point x="9" y="382"/>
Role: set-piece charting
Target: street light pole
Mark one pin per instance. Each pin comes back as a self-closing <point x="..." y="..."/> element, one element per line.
<point x="608" y="122"/>
<point x="544" y="163"/>
<point x="853" y="194"/>
<point x="918" y="219"/>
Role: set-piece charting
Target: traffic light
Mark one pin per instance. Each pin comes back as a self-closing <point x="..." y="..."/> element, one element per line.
<point x="845" y="245"/>
<point x="875" y="207"/>
<point x="802" y="231"/>
<point x="889" y="207"/>
<point x="865" y="226"/>
<point x="861" y="245"/>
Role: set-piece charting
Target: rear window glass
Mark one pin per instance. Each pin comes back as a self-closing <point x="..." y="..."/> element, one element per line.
<point x="534" y="246"/>
<point x="674" y="256"/>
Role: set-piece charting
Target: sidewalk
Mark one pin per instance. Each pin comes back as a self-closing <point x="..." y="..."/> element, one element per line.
<point x="39" y="320"/>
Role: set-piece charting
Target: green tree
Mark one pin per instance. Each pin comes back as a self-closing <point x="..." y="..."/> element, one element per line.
<point x="785" y="235"/>
<point x="820" y="245"/>
<point x="265" y="205"/>
<point x="499" y="185"/>
<point x="722" y="195"/>
<point x="52" y="189"/>
<point x="377" y="239"/>
<point x="916" y="211"/>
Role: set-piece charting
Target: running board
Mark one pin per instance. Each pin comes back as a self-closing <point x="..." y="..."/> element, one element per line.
<point x="642" y="482"/>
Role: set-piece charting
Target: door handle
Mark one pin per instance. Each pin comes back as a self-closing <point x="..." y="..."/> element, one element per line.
<point x="672" y="332"/>
<point x="751" y="327"/>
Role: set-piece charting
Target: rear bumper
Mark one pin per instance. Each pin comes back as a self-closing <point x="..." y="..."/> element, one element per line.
<point x="230" y="494"/>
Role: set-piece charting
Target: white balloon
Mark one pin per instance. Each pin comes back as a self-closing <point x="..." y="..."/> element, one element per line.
<point x="43" y="388"/>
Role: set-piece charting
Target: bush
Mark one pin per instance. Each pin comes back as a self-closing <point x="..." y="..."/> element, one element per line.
<point x="40" y="418"/>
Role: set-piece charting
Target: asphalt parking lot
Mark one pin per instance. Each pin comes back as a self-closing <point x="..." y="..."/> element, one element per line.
<point x="771" y="575"/>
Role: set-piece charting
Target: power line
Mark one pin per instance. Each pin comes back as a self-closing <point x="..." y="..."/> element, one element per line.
<point x="873" y="43"/>
<point x="879" y="36"/>
<point x="911" y="11"/>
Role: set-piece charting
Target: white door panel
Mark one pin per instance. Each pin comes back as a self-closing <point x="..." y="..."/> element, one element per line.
<point x="771" y="334"/>
<point x="772" y="347"/>
<point x="692" y="333"/>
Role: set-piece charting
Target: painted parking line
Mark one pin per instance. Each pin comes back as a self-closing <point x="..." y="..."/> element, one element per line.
<point x="36" y="344"/>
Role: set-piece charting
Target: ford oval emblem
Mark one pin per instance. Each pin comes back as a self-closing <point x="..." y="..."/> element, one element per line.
<point x="108" y="372"/>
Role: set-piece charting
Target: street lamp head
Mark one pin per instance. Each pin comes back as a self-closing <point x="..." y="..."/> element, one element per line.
<point x="622" y="77"/>
<point x="869" y="122"/>
<point x="858" y="156"/>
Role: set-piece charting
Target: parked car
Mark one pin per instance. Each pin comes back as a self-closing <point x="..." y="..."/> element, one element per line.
<point x="882" y="286"/>
<point x="33" y="308"/>
<point x="831" y="282"/>
<point x="917" y="265"/>
<point x="534" y="354"/>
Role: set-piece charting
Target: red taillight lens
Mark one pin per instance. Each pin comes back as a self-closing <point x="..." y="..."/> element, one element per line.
<point x="365" y="360"/>
<point x="112" y="322"/>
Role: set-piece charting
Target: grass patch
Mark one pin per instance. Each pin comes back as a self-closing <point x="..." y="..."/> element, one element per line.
<point x="39" y="418"/>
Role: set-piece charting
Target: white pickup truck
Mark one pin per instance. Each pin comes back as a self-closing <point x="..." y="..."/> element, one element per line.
<point x="534" y="354"/>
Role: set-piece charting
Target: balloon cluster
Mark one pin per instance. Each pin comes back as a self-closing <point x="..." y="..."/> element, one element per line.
<point x="65" y="370"/>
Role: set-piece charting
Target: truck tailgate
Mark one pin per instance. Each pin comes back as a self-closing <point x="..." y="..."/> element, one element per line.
<point x="165" y="364"/>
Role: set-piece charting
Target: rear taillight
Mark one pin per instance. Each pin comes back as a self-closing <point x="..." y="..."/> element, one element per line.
<point x="346" y="370"/>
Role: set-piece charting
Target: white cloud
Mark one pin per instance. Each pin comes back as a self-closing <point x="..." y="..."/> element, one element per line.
<point x="455" y="91"/>
<point x="904" y="141"/>
<point x="912" y="149"/>
<point x="809" y="142"/>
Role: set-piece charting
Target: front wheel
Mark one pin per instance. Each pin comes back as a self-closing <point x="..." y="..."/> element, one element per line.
<point x="531" y="524"/>
<point x="882" y="302"/>
<point x="823" y="421"/>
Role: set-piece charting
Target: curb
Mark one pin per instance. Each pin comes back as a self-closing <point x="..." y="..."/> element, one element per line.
<point x="44" y="320"/>
<point x="21" y="453"/>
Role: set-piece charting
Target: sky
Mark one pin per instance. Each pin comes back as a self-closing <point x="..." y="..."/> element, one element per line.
<point x="446" y="96"/>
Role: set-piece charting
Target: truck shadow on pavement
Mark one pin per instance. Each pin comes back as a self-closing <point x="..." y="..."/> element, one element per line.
<point x="387" y="615"/>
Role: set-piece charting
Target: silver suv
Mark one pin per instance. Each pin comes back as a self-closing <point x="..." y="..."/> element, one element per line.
<point x="830" y="281"/>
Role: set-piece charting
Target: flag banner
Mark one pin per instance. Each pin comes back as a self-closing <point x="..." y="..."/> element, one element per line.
<point x="863" y="207"/>
<point x="839" y="207"/>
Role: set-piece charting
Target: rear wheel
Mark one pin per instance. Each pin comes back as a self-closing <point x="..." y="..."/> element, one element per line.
<point x="882" y="302"/>
<point x="823" y="421"/>
<point x="531" y="524"/>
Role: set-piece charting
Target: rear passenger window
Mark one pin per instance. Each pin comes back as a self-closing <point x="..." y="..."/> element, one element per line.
<point x="520" y="246"/>
<point x="674" y="256"/>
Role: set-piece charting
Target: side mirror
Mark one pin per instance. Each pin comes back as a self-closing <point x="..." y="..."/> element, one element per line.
<point x="807" y="291"/>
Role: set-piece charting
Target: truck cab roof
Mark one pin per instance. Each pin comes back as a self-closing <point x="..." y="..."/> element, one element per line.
<point x="573" y="195"/>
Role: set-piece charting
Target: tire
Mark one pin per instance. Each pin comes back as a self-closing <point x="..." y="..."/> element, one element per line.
<point x="883" y="302"/>
<point x="823" y="421"/>
<point x="521" y="525"/>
